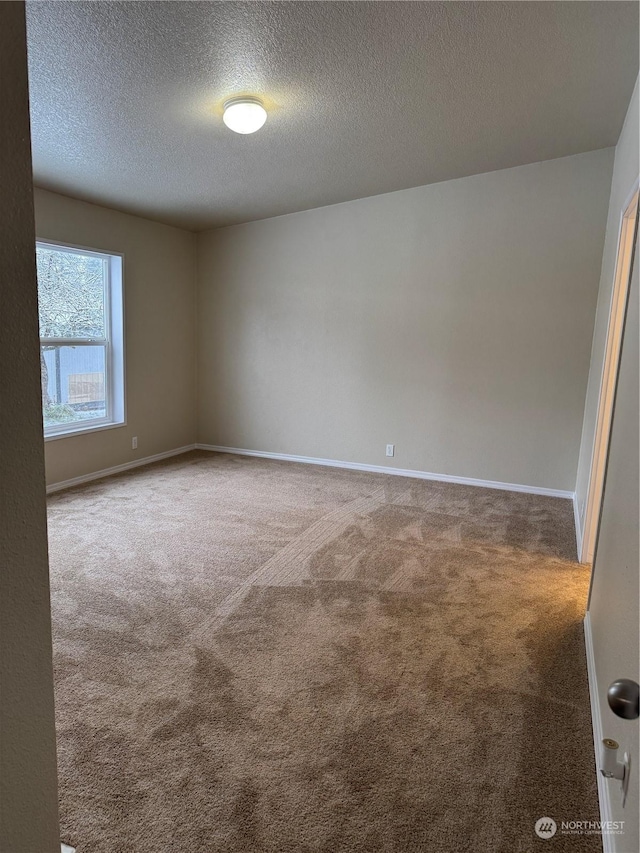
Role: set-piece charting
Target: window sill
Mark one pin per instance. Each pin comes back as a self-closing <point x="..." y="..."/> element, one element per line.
<point x="83" y="430"/>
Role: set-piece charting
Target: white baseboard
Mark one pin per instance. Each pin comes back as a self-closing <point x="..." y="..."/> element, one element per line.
<point x="576" y="519"/>
<point x="398" y="472"/>
<point x="608" y="841"/>
<point x="116" y="469"/>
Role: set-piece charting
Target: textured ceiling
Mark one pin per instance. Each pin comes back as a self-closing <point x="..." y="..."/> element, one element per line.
<point x="363" y="97"/>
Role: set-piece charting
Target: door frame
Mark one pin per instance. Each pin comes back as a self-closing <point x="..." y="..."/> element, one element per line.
<point x="625" y="250"/>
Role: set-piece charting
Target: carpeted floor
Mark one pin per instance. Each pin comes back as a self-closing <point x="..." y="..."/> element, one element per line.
<point x="263" y="657"/>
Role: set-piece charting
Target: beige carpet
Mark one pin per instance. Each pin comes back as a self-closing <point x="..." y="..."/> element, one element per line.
<point x="263" y="657"/>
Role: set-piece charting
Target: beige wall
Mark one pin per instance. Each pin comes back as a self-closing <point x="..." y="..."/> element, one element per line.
<point x="626" y="170"/>
<point x="613" y="606"/>
<point x="159" y="296"/>
<point x="453" y="320"/>
<point x="28" y="786"/>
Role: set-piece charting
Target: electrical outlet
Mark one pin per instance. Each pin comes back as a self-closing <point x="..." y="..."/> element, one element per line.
<point x="134" y="442"/>
<point x="391" y="449"/>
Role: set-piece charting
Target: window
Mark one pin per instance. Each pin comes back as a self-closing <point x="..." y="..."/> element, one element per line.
<point x="81" y="339"/>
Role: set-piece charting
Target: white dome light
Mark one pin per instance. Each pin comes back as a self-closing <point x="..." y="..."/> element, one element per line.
<point x="244" y="115"/>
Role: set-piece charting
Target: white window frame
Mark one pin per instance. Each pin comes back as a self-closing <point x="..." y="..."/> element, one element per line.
<point x="113" y="342"/>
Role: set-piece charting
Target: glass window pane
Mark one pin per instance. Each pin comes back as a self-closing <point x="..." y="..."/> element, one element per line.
<point x="71" y="290"/>
<point x="73" y="384"/>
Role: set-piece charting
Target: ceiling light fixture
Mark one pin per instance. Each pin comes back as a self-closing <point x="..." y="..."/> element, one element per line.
<point x="244" y="115"/>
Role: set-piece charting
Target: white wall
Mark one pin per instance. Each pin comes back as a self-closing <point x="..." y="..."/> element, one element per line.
<point x="28" y="784"/>
<point x="625" y="172"/>
<point x="453" y="320"/>
<point x="613" y="605"/>
<point x="159" y="297"/>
